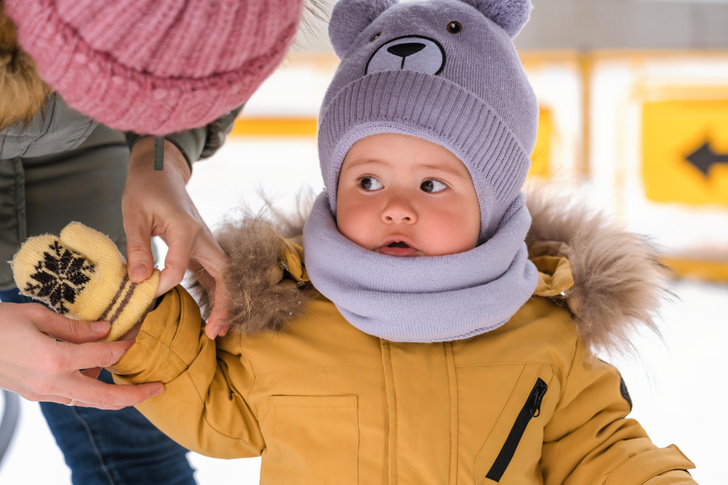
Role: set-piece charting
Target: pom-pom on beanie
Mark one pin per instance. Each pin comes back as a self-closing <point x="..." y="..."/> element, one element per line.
<point x="442" y="70"/>
<point x="155" y="66"/>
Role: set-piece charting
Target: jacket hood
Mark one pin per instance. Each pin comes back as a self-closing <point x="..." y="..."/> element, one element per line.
<point x="610" y="279"/>
<point x="22" y="91"/>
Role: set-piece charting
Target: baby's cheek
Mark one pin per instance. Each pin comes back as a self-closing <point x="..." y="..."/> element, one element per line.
<point x="353" y="225"/>
<point x="460" y="233"/>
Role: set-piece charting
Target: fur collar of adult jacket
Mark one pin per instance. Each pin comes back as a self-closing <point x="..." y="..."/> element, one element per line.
<point x="22" y="91"/>
<point x="618" y="281"/>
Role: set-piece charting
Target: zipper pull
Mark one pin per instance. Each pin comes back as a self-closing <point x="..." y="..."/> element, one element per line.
<point x="541" y="388"/>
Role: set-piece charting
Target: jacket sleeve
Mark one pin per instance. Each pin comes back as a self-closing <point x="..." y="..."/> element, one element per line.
<point x="200" y="408"/>
<point x="198" y="143"/>
<point x="590" y="440"/>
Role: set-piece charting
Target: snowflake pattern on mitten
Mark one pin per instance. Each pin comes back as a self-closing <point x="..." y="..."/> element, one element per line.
<point x="60" y="277"/>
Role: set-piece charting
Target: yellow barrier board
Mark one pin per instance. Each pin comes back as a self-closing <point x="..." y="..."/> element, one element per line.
<point x="306" y="127"/>
<point x="275" y="127"/>
<point x="706" y="270"/>
<point x="685" y="151"/>
<point x="541" y="156"/>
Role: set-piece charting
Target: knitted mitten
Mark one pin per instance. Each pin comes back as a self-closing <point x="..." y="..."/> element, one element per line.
<point x="83" y="275"/>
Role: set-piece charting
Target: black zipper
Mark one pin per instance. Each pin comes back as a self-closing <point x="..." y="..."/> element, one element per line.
<point x="531" y="409"/>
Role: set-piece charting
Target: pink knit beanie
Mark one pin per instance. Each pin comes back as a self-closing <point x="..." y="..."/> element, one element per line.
<point x="155" y="66"/>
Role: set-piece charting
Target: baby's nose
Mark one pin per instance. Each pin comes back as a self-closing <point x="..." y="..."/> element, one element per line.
<point x="398" y="210"/>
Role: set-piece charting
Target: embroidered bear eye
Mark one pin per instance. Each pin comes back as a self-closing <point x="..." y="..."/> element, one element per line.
<point x="375" y="37"/>
<point x="454" y="27"/>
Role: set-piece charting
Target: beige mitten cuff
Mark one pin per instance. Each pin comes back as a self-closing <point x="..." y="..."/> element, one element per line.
<point x="82" y="275"/>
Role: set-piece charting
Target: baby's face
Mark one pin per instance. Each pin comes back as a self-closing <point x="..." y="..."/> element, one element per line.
<point x="405" y="196"/>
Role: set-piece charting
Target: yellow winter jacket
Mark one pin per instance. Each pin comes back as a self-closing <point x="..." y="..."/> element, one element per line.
<point x="324" y="403"/>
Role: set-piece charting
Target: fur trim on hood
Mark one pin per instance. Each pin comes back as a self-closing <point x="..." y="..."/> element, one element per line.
<point x="22" y="91"/>
<point x="618" y="279"/>
<point x="262" y="296"/>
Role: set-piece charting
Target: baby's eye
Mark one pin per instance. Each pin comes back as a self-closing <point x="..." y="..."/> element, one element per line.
<point x="370" y="183"/>
<point x="432" y="186"/>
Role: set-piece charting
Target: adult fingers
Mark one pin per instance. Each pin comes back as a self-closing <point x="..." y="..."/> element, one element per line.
<point x="63" y="357"/>
<point x="214" y="260"/>
<point x="75" y="384"/>
<point x="94" y="393"/>
<point x="217" y="325"/>
<point x="140" y="262"/>
<point x="215" y="330"/>
<point x="185" y="246"/>
<point x="57" y="378"/>
<point x="68" y="329"/>
<point x="210" y="255"/>
<point x="84" y="391"/>
<point x="178" y="257"/>
<point x="202" y="277"/>
<point x="212" y="327"/>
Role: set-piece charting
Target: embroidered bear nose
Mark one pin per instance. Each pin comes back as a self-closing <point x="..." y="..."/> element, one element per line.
<point x="404" y="50"/>
<point x="413" y="52"/>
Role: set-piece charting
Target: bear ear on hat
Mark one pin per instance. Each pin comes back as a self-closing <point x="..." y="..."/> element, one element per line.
<point x="511" y="15"/>
<point x="350" y="17"/>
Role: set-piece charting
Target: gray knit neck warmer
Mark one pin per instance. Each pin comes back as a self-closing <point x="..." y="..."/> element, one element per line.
<point x="422" y="299"/>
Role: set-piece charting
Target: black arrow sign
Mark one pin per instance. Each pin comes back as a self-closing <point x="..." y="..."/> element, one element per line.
<point x="704" y="157"/>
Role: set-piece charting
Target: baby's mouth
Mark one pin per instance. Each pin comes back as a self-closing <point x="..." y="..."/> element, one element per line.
<point x="398" y="244"/>
<point x="399" y="248"/>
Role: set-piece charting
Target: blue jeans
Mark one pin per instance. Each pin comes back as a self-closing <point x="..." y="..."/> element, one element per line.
<point x="113" y="447"/>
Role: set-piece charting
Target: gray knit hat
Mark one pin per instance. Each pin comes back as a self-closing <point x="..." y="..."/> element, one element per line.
<point x="442" y="70"/>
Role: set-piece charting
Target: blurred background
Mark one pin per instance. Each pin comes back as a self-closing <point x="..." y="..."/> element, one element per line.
<point x="634" y="116"/>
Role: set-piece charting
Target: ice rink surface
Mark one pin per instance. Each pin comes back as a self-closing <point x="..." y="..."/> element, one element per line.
<point x="676" y="382"/>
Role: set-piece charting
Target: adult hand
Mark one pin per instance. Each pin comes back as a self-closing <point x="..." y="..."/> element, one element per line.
<point x="34" y="364"/>
<point x="156" y="203"/>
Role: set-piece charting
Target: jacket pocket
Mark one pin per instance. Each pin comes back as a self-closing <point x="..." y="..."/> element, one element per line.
<point x="311" y="440"/>
<point x="531" y="409"/>
<point x="513" y="445"/>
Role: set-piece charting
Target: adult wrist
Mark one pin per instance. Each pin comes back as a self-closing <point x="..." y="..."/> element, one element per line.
<point x="174" y="158"/>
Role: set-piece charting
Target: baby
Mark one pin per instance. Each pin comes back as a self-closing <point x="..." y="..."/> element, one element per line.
<point x="418" y="342"/>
